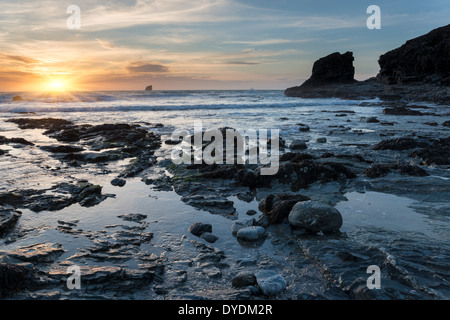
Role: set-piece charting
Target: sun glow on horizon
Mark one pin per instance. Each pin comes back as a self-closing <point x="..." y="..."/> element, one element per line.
<point x="57" y="86"/>
<point x="57" y="83"/>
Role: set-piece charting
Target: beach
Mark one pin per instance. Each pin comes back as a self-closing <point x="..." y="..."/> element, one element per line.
<point x="88" y="180"/>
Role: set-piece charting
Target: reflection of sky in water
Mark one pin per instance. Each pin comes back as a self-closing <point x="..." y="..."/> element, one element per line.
<point x="168" y="218"/>
<point x="385" y="211"/>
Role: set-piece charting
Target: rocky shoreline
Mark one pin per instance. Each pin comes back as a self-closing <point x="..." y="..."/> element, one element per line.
<point x="418" y="71"/>
<point x="291" y="227"/>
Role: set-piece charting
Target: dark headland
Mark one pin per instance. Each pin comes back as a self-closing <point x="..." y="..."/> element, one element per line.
<point x="419" y="70"/>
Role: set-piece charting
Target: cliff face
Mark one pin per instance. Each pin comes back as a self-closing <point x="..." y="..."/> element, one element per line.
<point x="423" y="59"/>
<point x="334" y="68"/>
<point x="419" y="70"/>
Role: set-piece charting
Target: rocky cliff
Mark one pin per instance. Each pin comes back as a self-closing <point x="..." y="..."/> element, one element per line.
<point x="423" y="59"/>
<point x="419" y="70"/>
<point x="332" y="69"/>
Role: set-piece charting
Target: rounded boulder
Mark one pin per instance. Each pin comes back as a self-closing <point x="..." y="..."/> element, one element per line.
<point x="315" y="217"/>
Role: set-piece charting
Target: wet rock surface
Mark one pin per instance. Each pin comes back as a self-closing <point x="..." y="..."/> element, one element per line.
<point x="403" y="111"/>
<point x="8" y="219"/>
<point x="37" y="253"/>
<point x="20" y="141"/>
<point x="379" y="170"/>
<point x="61" y="196"/>
<point x="399" y="144"/>
<point x="119" y="140"/>
<point x="133" y="247"/>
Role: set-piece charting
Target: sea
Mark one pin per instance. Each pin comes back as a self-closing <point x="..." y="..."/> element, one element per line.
<point x="407" y="217"/>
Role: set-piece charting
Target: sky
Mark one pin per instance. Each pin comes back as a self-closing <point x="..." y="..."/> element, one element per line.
<point x="194" y="45"/>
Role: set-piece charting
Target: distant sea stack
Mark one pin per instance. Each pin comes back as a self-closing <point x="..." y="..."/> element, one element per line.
<point x="149" y="88"/>
<point x="417" y="71"/>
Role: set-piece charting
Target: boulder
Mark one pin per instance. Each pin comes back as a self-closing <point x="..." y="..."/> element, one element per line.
<point x="270" y="282"/>
<point x="251" y="233"/>
<point x="209" y="237"/>
<point x="118" y="182"/>
<point x="315" y="217"/>
<point x="372" y="120"/>
<point x="198" y="228"/>
<point x="276" y="208"/>
<point x="243" y="279"/>
<point x="303" y="127"/>
<point x="298" y="145"/>
<point x="241" y="223"/>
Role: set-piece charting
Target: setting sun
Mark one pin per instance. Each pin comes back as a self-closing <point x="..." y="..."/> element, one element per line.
<point x="57" y="83"/>
<point x="57" y="86"/>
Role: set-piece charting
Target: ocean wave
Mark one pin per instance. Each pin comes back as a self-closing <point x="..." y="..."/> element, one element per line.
<point x="123" y="101"/>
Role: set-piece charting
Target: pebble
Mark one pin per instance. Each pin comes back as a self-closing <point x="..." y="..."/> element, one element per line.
<point x="209" y="237"/>
<point x="198" y="228"/>
<point x="241" y="223"/>
<point x="251" y="233"/>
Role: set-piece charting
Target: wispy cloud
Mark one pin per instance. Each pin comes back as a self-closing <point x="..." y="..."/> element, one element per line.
<point x="270" y="41"/>
<point x="112" y="15"/>
<point x="105" y="44"/>
<point x="325" y="22"/>
<point x="242" y="62"/>
<point x="22" y="59"/>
